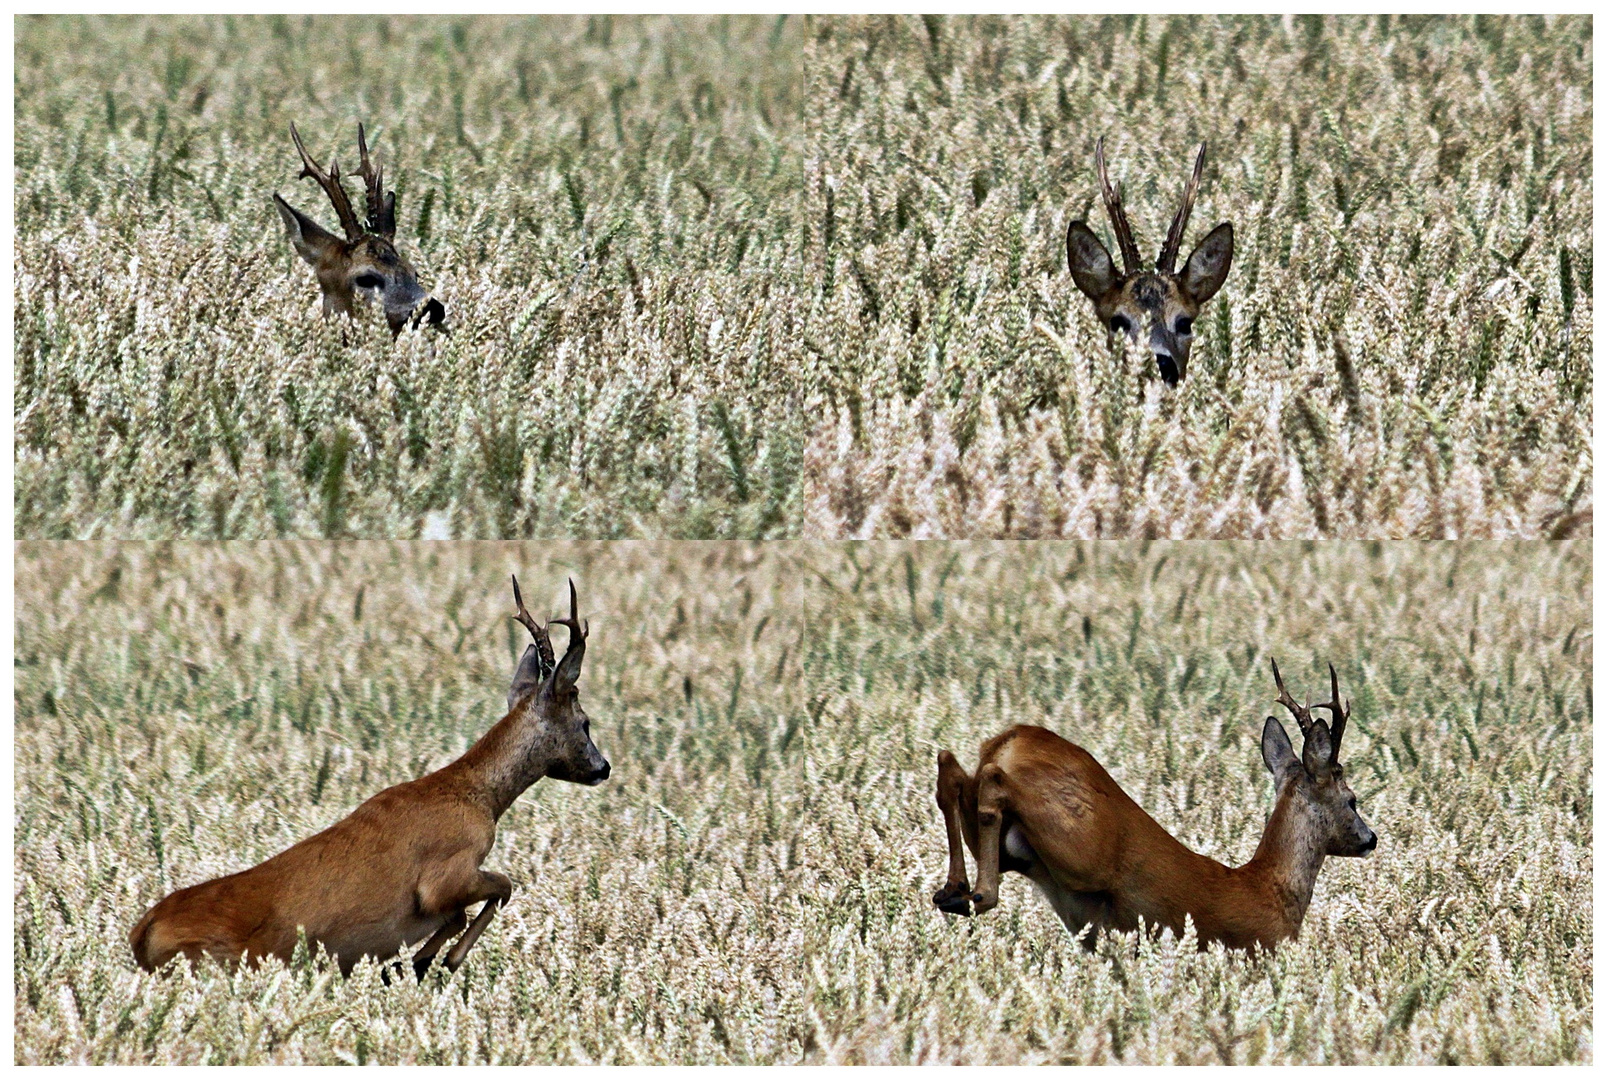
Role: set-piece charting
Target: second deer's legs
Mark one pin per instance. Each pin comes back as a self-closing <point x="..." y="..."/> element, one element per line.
<point x="955" y="895"/>
<point x="495" y="889"/>
<point x="991" y="804"/>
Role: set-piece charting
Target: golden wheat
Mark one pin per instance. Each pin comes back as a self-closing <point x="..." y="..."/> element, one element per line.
<point x="773" y="277"/>
<point x="753" y="884"/>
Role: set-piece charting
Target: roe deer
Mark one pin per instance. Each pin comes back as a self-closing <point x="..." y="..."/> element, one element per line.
<point x="1043" y="807"/>
<point x="365" y="263"/>
<point x="1160" y="304"/>
<point x="405" y="865"/>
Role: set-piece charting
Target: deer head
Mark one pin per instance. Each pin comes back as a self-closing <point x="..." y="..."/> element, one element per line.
<point x="1316" y="779"/>
<point x="1155" y="308"/>
<point x="548" y="691"/>
<point x="366" y="262"/>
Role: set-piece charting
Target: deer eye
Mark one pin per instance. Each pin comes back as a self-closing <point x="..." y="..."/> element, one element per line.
<point x="1184" y="327"/>
<point x="1119" y="324"/>
<point x="368" y="281"/>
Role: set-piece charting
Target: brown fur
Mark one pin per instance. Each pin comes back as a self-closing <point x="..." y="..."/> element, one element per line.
<point x="401" y="868"/>
<point x="1043" y="807"/>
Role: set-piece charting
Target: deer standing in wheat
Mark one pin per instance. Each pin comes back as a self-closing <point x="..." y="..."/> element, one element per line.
<point x="1151" y="308"/>
<point x="404" y="866"/>
<point x="366" y="263"/>
<point x="1043" y="807"/>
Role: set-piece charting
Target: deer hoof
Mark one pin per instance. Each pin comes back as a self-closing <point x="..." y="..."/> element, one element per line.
<point x="984" y="903"/>
<point x="954" y="898"/>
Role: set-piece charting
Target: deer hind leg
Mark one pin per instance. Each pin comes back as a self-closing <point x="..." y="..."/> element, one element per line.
<point x="494" y="889"/>
<point x="955" y="895"/>
<point x="992" y="803"/>
<point x="449" y="930"/>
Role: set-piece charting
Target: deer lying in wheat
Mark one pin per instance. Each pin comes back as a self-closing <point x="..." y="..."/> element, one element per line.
<point x="1043" y="807"/>
<point x="1151" y="308"/>
<point x="404" y="866"/>
<point x="366" y="263"/>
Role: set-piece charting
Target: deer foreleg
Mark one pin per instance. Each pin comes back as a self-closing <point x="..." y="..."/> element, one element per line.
<point x="991" y="804"/>
<point x="955" y="895"/>
<point x="449" y="930"/>
<point x="494" y="889"/>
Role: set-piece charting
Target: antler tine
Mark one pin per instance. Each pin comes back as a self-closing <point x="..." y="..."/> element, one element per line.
<point x="1174" y="236"/>
<point x="330" y="182"/>
<point x="381" y="207"/>
<point x="577" y="629"/>
<point x="537" y="631"/>
<point x="1118" y="216"/>
<point x="1302" y="713"/>
<point x="1340" y="710"/>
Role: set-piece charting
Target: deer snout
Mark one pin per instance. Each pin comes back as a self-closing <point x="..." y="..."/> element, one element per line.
<point x="598" y="775"/>
<point x="1361" y="842"/>
<point x="425" y="310"/>
<point x="1168" y="368"/>
<point x="430" y="313"/>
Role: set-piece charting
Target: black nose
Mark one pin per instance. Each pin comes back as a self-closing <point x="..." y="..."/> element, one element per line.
<point x="432" y="313"/>
<point x="602" y="774"/>
<point x="1168" y="368"/>
<point x="1372" y="842"/>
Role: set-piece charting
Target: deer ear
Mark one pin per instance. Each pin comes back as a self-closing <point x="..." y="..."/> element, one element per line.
<point x="1319" y="750"/>
<point x="526" y="677"/>
<point x="1208" y="266"/>
<point x="1089" y="262"/>
<point x="1276" y="750"/>
<point x="312" y="242"/>
<point x="566" y="674"/>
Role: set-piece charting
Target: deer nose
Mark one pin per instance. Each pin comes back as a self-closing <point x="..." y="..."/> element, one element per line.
<point x="431" y="312"/>
<point x="1168" y="368"/>
<point x="1372" y="842"/>
<point x="601" y="774"/>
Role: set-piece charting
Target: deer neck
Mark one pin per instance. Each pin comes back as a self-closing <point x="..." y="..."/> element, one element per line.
<point x="1288" y="859"/>
<point x="506" y="760"/>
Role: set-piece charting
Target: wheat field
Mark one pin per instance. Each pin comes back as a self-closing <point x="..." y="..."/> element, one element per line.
<point x="768" y="278"/>
<point x="753" y="883"/>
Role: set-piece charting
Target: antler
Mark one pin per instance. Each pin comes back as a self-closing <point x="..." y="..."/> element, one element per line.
<point x="1341" y="711"/>
<point x="330" y="182"/>
<point x="577" y="631"/>
<point x="1118" y="216"/>
<point x="1174" y="236"/>
<point x="1302" y="713"/>
<point x="537" y="631"/>
<point x="381" y="206"/>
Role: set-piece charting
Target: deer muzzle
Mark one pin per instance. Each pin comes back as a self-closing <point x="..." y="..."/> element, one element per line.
<point x="428" y="311"/>
<point x="431" y="313"/>
<point x="1168" y="368"/>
